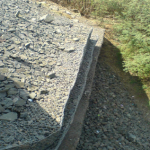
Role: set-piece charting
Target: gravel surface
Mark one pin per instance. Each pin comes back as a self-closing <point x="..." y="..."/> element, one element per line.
<point x="113" y="121"/>
<point x="40" y="56"/>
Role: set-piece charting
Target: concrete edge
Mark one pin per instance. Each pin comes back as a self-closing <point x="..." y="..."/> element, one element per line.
<point x="77" y="90"/>
<point x="72" y="137"/>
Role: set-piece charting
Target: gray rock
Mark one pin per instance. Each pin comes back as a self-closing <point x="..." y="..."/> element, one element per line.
<point x="61" y="48"/>
<point x="23" y="94"/>
<point x="7" y="102"/>
<point x="19" y="102"/>
<point x="69" y="50"/>
<point x="32" y="88"/>
<point x="12" y="91"/>
<point x="27" y="45"/>
<point x="2" y="95"/>
<point x="32" y="95"/>
<point x="1" y="64"/>
<point x="8" y="86"/>
<point x="40" y="137"/>
<point x="44" y="92"/>
<point x="38" y="96"/>
<point x="17" y="65"/>
<point x="76" y="39"/>
<point x="7" y="111"/>
<point x="17" y="14"/>
<point x="24" y="115"/>
<point x="47" y="18"/>
<point x="9" y="139"/>
<point x="51" y="75"/>
<point x="12" y="116"/>
<point x="12" y="30"/>
<point x="2" y="109"/>
<point x="2" y="77"/>
<point x="131" y="137"/>
<point x="18" y="84"/>
<point x="23" y="57"/>
<point x="4" y="70"/>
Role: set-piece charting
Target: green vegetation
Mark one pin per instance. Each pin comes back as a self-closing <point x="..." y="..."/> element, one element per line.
<point x="131" y="28"/>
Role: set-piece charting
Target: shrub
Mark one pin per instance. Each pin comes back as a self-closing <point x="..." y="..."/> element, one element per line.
<point x="132" y="29"/>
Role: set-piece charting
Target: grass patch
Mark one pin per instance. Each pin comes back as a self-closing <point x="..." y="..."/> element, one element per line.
<point x="131" y="20"/>
<point x="129" y="33"/>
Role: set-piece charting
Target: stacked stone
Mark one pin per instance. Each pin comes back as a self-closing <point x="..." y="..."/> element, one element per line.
<point x="40" y="56"/>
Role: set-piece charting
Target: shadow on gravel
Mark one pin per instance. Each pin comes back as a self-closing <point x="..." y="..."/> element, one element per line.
<point x="24" y="124"/>
<point x="113" y="119"/>
<point x="112" y="57"/>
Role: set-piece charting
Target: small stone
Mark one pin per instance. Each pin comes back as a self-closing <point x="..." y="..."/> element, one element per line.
<point x="23" y="94"/>
<point x="40" y="137"/>
<point x="9" y="139"/>
<point x="30" y="100"/>
<point x="7" y="111"/>
<point x="38" y="96"/>
<point x="128" y="115"/>
<point x="69" y="50"/>
<point x="59" y="64"/>
<point x="2" y="95"/>
<point x="23" y="57"/>
<point x="32" y="95"/>
<point x="46" y="133"/>
<point x="39" y="79"/>
<point x="4" y="70"/>
<point x="18" y="84"/>
<point x="17" y="66"/>
<point x="9" y="116"/>
<point x="131" y="137"/>
<point x="8" y="86"/>
<point x="47" y="18"/>
<point x="76" y="39"/>
<point x="24" y="115"/>
<point x="67" y="12"/>
<point x="44" y="92"/>
<point x="1" y="64"/>
<point x="15" y="99"/>
<point x="2" y="109"/>
<point x="40" y="4"/>
<point x="61" y="48"/>
<point x="12" y="91"/>
<point x="8" y="102"/>
<point x="12" y="30"/>
<point x="27" y="45"/>
<point x="19" y="102"/>
<point x="17" y="42"/>
<point x="58" y="31"/>
<point x="51" y="76"/>
<point x="18" y="13"/>
<point x="2" y="77"/>
<point x="2" y="90"/>
<point x="32" y="87"/>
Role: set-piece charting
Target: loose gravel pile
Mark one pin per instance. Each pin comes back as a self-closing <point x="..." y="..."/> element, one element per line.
<point x="113" y="121"/>
<point x="40" y="56"/>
